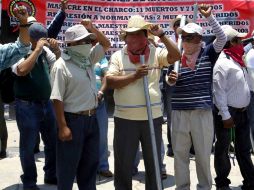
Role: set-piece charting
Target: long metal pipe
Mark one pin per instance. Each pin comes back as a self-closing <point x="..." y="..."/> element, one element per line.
<point x="179" y="44"/>
<point x="151" y="127"/>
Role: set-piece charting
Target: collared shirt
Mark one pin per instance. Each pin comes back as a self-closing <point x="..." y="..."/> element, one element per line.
<point x="230" y="85"/>
<point x="74" y="86"/>
<point x="10" y="53"/>
<point x="193" y="88"/>
<point x="130" y="100"/>
<point x="249" y="60"/>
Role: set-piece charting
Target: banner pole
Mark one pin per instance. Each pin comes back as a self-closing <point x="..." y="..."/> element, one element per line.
<point x="151" y="127"/>
<point x="195" y="12"/>
<point x="179" y="44"/>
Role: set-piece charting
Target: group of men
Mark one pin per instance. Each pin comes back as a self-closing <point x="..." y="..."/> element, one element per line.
<point x="56" y="96"/>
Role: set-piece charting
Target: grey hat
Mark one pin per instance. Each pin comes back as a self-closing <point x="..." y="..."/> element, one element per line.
<point x="76" y="33"/>
<point x="37" y="31"/>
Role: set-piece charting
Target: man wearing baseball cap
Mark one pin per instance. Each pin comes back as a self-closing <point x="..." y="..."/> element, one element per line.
<point x="74" y="96"/>
<point x="192" y="119"/>
<point x="125" y="75"/>
<point x="34" y="110"/>
<point x="231" y="98"/>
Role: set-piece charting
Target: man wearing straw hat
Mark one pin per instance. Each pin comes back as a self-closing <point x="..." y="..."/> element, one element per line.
<point x="192" y="119"/>
<point x="231" y="98"/>
<point x="74" y="96"/>
<point x="131" y="121"/>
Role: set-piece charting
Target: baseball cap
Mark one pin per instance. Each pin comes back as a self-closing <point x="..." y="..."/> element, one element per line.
<point x="37" y="31"/>
<point x="31" y="20"/>
<point x="231" y="33"/>
<point x="190" y="28"/>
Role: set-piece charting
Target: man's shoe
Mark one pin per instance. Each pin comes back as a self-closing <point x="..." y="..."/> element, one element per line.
<point x="52" y="181"/>
<point x="3" y="155"/>
<point x="170" y="152"/>
<point x="164" y="175"/>
<point x="31" y="188"/>
<point x="134" y="171"/>
<point x="36" y="150"/>
<point x="106" y="173"/>
<point x="223" y="188"/>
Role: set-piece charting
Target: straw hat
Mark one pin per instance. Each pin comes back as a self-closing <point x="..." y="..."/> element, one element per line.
<point x="135" y="23"/>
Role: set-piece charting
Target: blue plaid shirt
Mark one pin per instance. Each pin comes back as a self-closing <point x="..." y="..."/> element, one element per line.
<point x="11" y="53"/>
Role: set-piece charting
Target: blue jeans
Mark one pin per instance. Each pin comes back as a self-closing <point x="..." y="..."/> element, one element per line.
<point x="80" y="156"/>
<point x="34" y="117"/>
<point x="102" y="118"/>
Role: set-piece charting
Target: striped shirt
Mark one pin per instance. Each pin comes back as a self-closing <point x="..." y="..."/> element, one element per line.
<point x="193" y="89"/>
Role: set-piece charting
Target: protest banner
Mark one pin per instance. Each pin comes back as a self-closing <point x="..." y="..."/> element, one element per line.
<point x="112" y="15"/>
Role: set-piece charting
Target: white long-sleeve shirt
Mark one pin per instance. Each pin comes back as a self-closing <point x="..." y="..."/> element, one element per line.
<point x="249" y="60"/>
<point x="230" y="85"/>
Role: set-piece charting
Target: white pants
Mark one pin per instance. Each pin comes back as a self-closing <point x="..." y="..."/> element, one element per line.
<point x="195" y="126"/>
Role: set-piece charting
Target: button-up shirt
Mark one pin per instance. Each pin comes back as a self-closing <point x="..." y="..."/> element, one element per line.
<point x="10" y="53"/>
<point x="230" y="85"/>
<point x="75" y="86"/>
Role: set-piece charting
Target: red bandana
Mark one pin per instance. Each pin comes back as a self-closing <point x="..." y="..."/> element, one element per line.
<point x="134" y="45"/>
<point x="236" y="53"/>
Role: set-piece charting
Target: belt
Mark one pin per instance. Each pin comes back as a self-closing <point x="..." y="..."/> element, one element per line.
<point x="33" y="101"/>
<point x="239" y="109"/>
<point x="87" y="112"/>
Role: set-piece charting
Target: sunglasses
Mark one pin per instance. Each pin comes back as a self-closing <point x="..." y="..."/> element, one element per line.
<point x="85" y="41"/>
<point x="177" y="24"/>
<point x="236" y="40"/>
<point x="188" y="37"/>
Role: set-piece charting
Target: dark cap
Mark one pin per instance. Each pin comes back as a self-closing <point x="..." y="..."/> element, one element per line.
<point x="37" y="31"/>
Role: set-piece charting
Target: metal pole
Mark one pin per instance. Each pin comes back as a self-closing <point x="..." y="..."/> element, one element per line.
<point x="150" y="119"/>
<point x="195" y="12"/>
<point x="179" y="44"/>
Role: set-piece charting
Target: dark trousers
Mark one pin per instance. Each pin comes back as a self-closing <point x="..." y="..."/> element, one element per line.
<point x="80" y="156"/>
<point x="167" y="95"/>
<point x="127" y="135"/>
<point x="32" y="118"/>
<point x="250" y="112"/>
<point x="3" y="128"/>
<point x="242" y="149"/>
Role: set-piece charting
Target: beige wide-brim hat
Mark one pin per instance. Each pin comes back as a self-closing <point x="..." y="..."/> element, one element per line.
<point x="135" y="23"/>
<point x="76" y="33"/>
<point x="231" y="33"/>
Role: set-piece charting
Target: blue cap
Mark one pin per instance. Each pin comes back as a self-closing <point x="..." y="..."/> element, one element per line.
<point x="37" y="31"/>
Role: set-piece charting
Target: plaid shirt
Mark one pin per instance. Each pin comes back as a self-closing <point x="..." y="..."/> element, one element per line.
<point x="12" y="52"/>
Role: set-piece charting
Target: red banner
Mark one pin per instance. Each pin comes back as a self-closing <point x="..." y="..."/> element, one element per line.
<point x="112" y="15"/>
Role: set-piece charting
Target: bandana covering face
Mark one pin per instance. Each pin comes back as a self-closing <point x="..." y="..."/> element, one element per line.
<point x="236" y="53"/>
<point x="190" y="54"/>
<point x="134" y="45"/>
<point x="80" y="54"/>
